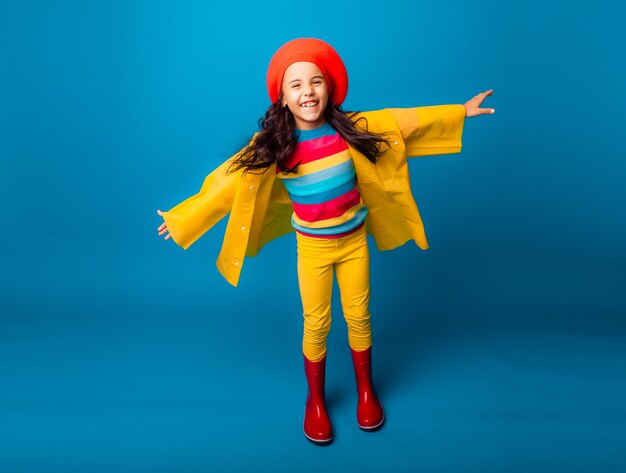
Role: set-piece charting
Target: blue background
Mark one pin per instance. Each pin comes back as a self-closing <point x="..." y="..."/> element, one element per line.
<point x="502" y="348"/>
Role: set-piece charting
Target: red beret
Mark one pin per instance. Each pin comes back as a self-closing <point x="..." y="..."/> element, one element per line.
<point x="312" y="50"/>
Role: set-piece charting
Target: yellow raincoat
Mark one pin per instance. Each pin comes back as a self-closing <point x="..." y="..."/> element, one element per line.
<point x="260" y="208"/>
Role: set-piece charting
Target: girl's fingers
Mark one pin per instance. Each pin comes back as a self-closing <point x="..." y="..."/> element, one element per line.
<point x="168" y="236"/>
<point x="480" y="99"/>
<point x="482" y="95"/>
<point x="475" y="111"/>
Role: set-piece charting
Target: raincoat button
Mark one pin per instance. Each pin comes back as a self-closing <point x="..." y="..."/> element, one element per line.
<point x="251" y="187"/>
<point x="236" y="263"/>
<point x="243" y="228"/>
<point x="395" y="142"/>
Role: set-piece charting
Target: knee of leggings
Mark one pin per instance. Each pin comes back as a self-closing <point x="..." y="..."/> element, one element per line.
<point x="316" y="337"/>
<point x="358" y="322"/>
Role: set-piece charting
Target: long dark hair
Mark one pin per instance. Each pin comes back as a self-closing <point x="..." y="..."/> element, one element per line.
<point x="276" y="141"/>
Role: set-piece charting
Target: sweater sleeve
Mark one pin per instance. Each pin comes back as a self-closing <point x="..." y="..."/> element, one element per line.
<point x="432" y="130"/>
<point x="189" y="220"/>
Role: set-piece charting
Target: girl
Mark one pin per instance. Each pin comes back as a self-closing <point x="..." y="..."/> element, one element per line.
<point x="330" y="176"/>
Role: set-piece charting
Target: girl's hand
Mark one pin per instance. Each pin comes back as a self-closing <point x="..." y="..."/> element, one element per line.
<point x="163" y="227"/>
<point x="472" y="107"/>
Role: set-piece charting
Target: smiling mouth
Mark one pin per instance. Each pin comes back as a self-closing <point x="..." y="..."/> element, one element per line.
<point x="309" y="104"/>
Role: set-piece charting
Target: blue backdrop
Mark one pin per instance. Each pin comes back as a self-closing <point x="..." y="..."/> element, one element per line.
<point x="501" y="348"/>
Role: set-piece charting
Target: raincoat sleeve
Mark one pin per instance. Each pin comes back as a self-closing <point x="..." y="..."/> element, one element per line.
<point x="189" y="220"/>
<point x="432" y="130"/>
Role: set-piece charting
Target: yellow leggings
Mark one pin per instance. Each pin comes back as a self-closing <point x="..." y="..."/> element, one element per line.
<point x="349" y="257"/>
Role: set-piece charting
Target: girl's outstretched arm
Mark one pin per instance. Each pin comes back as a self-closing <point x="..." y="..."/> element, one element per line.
<point x="191" y="218"/>
<point x="472" y="106"/>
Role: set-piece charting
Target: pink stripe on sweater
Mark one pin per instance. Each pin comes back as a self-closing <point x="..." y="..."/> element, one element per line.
<point x="312" y="150"/>
<point x="331" y="209"/>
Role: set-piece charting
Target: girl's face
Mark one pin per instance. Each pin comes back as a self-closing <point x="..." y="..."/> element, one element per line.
<point x="305" y="92"/>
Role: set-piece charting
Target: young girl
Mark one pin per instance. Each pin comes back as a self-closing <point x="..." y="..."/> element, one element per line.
<point x="330" y="176"/>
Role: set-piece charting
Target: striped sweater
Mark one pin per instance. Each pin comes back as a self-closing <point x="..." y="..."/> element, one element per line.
<point x="325" y="198"/>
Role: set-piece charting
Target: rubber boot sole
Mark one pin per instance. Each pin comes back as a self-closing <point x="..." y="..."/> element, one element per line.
<point x="373" y="428"/>
<point x="321" y="443"/>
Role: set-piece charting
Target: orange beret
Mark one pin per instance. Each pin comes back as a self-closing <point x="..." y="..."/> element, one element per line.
<point x="312" y="50"/>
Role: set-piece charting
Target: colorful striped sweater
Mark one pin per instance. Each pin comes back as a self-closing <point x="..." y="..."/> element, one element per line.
<point x="325" y="198"/>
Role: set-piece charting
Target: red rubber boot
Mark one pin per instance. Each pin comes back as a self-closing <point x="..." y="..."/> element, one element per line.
<point x="369" y="412"/>
<point x="317" y="426"/>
